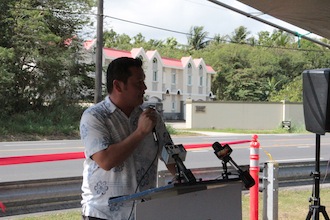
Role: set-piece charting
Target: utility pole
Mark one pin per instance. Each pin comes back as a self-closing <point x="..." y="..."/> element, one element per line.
<point x="99" y="53"/>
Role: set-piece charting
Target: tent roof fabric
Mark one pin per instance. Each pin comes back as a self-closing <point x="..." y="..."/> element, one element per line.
<point x="309" y="15"/>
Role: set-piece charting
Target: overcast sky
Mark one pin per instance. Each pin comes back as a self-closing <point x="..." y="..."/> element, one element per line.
<point x="180" y="15"/>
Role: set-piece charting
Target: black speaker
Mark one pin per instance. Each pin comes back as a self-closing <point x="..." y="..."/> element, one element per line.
<point x="316" y="100"/>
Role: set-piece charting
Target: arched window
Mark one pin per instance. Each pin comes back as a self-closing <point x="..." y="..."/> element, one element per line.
<point x="173" y="80"/>
<point x="189" y="79"/>
<point x="200" y="71"/>
<point x="154" y="70"/>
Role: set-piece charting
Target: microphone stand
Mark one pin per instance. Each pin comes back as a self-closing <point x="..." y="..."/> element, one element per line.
<point x="316" y="208"/>
<point x="225" y="173"/>
<point x="243" y="175"/>
<point x="176" y="154"/>
<point x="223" y="152"/>
<point x="182" y="171"/>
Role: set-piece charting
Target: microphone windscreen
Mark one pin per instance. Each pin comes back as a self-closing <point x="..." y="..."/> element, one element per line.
<point x="216" y="146"/>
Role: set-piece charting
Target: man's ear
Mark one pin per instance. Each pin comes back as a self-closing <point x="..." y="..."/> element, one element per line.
<point x="118" y="85"/>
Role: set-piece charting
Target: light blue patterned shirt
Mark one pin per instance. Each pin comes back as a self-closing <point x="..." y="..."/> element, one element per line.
<point x="102" y="125"/>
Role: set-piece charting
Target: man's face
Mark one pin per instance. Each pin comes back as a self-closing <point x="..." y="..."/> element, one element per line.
<point x="134" y="89"/>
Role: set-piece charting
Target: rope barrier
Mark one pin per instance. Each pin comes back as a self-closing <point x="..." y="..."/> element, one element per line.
<point x="2" y="207"/>
<point x="40" y="158"/>
<point x="80" y="155"/>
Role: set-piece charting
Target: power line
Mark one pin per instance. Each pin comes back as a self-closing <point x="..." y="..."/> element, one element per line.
<point x="165" y="29"/>
<point x="146" y="25"/>
<point x="52" y="10"/>
<point x="210" y="38"/>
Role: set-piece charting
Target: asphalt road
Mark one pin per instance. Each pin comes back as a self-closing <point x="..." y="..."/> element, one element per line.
<point x="281" y="148"/>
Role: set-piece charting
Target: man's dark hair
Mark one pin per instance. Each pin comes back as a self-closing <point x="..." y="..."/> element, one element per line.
<point x="118" y="69"/>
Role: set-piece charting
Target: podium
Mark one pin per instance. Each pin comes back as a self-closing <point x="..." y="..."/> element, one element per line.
<point x="209" y="200"/>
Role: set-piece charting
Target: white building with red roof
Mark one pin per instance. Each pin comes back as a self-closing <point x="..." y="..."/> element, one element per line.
<point x="170" y="82"/>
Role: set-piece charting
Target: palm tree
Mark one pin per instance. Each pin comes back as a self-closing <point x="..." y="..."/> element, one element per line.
<point x="197" y="38"/>
<point x="271" y="86"/>
<point x="218" y="39"/>
<point x="264" y="39"/>
<point x="171" y="42"/>
<point x="139" y="39"/>
<point x="155" y="43"/>
<point x="240" y="35"/>
<point x="282" y="38"/>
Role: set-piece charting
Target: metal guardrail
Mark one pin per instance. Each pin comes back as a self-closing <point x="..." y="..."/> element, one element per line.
<point x="23" y="197"/>
<point x="299" y="173"/>
<point x="290" y="174"/>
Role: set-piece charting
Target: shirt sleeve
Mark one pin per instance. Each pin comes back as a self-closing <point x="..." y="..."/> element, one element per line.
<point x="93" y="132"/>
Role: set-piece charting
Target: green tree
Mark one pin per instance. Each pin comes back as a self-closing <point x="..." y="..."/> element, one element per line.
<point x="245" y="72"/>
<point x="138" y="40"/>
<point x="197" y="38"/>
<point x="252" y="73"/>
<point x="278" y="38"/>
<point x="171" y="43"/>
<point x="171" y="48"/>
<point x="282" y="39"/>
<point x="39" y="47"/>
<point x="123" y="39"/>
<point x="271" y="87"/>
<point x="218" y="39"/>
<point x="152" y="43"/>
<point x="264" y="39"/>
<point x="117" y="41"/>
<point x="110" y="38"/>
<point x="240" y="35"/>
<point x="291" y="92"/>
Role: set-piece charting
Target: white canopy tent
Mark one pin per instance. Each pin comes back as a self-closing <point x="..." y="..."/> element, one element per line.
<point x="310" y="15"/>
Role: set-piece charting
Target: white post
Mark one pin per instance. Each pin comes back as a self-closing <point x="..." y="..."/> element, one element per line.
<point x="270" y="191"/>
<point x="189" y="113"/>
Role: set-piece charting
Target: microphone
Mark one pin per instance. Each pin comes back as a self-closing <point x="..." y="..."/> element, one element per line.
<point x="176" y="154"/>
<point x="223" y="153"/>
<point x="154" y="133"/>
<point x="169" y="150"/>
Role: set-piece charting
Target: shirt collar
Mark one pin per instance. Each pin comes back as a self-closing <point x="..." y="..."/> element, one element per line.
<point x="112" y="107"/>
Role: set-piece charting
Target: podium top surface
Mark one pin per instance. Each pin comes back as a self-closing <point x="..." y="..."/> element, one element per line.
<point x="175" y="189"/>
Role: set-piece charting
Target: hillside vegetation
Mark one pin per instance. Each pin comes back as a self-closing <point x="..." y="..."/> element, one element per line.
<point x="43" y="78"/>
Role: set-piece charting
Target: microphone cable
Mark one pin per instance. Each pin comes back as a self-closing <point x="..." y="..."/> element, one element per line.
<point x="146" y="172"/>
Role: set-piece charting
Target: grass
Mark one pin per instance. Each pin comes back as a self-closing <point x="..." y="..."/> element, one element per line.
<point x="292" y="205"/>
<point x="247" y="131"/>
<point x="54" y="123"/>
<point x="60" y="215"/>
<point x="179" y="132"/>
<point x="185" y="131"/>
<point x="62" y="122"/>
